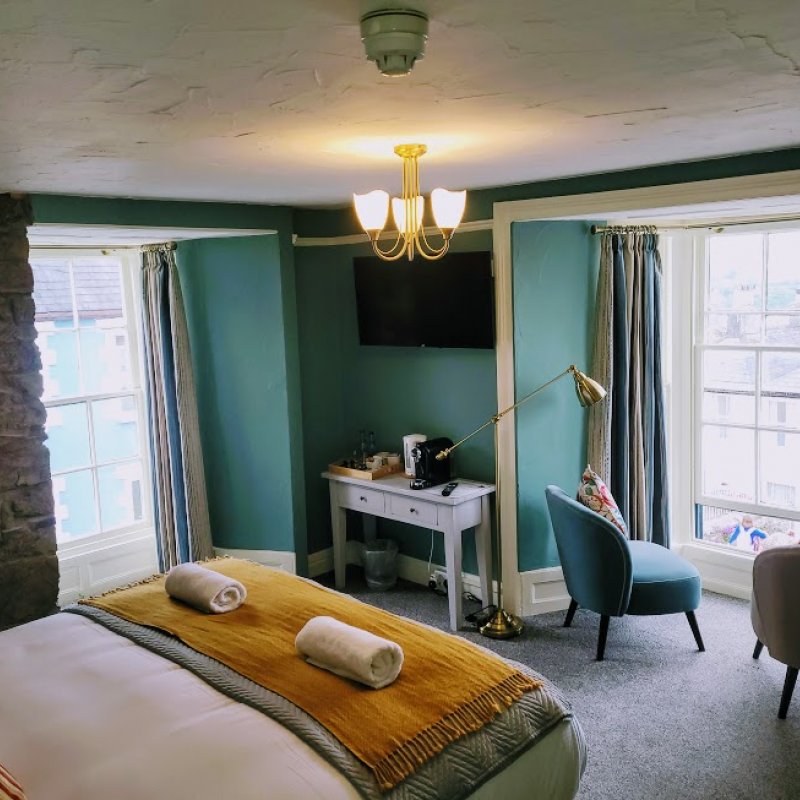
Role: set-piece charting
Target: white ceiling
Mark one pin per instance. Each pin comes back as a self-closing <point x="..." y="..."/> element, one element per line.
<point x="274" y="101"/>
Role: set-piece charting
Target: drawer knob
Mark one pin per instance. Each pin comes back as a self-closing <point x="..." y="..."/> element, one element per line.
<point x="413" y="510"/>
<point x="363" y="499"/>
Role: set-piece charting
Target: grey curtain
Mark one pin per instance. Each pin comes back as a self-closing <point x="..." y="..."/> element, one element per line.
<point x="183" y="531"/>
<point x="627" y="433"/>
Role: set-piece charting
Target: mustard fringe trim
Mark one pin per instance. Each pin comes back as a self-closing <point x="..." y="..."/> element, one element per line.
<point x="470" y="717"/>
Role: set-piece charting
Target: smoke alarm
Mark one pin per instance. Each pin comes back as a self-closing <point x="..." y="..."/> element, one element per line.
<point x="394" y="39"/>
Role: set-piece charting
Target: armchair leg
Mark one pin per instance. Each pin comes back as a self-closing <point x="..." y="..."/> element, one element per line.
<point x="573" y="607"/>
<point x="601" y="642"/>
<point x="695" y="630"/>
<point x="788" y="688"/>
<point x="758" y="649"/>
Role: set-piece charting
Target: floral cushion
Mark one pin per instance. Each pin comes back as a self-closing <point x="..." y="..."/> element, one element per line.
<point x="594" y="494"/>
<point x="9" y="788"/>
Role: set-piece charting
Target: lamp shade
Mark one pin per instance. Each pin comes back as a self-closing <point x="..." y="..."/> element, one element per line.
<point x="589" y="391"/>
<point x="399" y="213"/>
<point x="372" y="209"/>
<point x="448" y="208"/>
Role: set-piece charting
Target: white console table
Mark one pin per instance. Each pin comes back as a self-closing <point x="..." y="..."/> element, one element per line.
<point x="391" y="497"/>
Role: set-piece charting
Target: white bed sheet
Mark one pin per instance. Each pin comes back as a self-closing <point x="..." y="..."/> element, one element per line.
<point x="86" y="714"/>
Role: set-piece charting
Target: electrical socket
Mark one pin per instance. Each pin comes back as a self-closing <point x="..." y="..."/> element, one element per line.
<point x="438" y="581"/>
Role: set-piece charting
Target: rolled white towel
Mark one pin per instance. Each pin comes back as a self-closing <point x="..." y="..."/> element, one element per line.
<point x="350" y="652"/>
<point x="204" y="589"/>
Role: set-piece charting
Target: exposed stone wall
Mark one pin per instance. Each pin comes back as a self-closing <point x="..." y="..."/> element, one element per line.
<point x="28" y="564"/>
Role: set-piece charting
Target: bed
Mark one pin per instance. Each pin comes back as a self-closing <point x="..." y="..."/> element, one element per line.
<point x="95" y="706"/>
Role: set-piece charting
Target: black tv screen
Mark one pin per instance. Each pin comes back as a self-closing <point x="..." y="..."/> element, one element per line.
<point x="444" y="303"/>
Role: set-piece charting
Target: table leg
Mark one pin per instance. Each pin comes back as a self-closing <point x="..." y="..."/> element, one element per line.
<point x="339" y="528"/>
<point x="452" y="556"/>
<point x="483" y="547"/>
<point x="369" y="523"/>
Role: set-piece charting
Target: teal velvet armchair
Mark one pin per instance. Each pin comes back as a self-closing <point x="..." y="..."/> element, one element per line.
<point x="612" y="576"/>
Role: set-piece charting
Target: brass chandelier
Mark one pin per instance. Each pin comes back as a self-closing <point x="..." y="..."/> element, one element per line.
<point x="408" y="212"/>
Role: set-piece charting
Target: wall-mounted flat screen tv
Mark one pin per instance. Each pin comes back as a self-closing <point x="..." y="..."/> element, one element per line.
<point x="444" y="303"/>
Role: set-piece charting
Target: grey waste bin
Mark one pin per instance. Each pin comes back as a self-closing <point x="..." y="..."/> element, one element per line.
<point x="380" y="564"/>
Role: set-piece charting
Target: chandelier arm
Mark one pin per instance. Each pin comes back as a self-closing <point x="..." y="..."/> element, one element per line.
<point x="394" y="253"/>
<point x="430" y="248"/>
<point x="431" y="254"/>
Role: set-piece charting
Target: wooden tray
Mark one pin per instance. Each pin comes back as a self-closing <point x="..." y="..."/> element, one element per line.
<point x="366" y="474"/>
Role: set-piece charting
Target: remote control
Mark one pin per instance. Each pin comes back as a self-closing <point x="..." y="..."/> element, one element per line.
<point x="448" y="490"/>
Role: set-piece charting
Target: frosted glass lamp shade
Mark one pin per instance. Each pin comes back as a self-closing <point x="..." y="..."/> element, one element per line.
<point x="372" y="209"/>
<point x="448" y="208"/>
<point x="399" y="213"/>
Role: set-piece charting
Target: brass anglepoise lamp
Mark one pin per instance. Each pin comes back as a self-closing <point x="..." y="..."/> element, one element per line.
<point x="503" y="624"/>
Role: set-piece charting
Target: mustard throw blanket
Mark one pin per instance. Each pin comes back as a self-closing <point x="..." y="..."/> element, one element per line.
<point x="447" y="688"/>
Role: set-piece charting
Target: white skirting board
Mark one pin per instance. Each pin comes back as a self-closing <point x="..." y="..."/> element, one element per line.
<point x="544" y="590"/>
<point x="271" y="558"/>
<point x="415" y="570"/>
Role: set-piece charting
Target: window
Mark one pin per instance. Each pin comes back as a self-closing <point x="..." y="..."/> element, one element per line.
<point x="85" y="323"/>
<point x="747" y="365"/>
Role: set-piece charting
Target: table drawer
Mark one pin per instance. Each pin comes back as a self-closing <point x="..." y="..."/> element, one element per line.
<point x="366" y="500"/>
<point x="411" y="510"/>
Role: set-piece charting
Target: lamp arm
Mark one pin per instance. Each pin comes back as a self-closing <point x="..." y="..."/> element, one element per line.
<point x="442" y="454"/>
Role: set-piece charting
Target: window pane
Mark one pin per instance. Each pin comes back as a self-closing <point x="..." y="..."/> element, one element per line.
<point x="729" y="462"/>
<point x="735" y="272"/>
<point x="719" y="525"/>
<point x="729" y="382"/>
<point x="781" y="374"/>
<point x="783" y="329"/>
<point x="783" y="271"/>
<point x="68" y="437"/>
<point x="780" y="412"/>
<point x="59" y="351"/>
<point x="779" y="465"/>
<point x="733" y="329"/>
<point x="98" y="291"/>
<point x="75" y="505"/>
<point x="116" y="428"/>
<point x="52" y="292"/>
<point x="120" y="494"/>
<point x="726" y="407"/>
<point x="105" y="359"/>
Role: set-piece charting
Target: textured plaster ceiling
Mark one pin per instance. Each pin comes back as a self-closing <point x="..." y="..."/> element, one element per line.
<point x="274" y="101"/>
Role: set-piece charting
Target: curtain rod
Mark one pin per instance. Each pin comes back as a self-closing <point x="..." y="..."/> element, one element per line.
<point x="715" y="226"/>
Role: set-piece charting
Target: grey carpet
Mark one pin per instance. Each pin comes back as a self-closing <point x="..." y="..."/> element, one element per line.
<point x="661" y="719"/>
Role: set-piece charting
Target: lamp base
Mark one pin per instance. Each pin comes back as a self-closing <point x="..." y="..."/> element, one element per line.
<point x="502" y="625"/>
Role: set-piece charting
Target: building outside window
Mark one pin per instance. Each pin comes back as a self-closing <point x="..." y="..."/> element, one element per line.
<point x="747" y="368"/>
<point x="86" y="333"/>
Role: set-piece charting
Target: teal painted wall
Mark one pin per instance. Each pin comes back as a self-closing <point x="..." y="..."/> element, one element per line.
<point x="554" y="282"/>
<point x="58" y="208"/>
<point x="390" y="390"/>
<point x="234" y="297"/>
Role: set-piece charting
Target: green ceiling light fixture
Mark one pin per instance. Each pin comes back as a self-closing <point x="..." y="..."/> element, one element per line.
<point x="394" y="39"/>
<point x="408" y="210"/>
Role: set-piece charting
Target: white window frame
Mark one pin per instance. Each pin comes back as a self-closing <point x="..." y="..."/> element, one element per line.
<point x="103" y="560"/>
<point x="699" y="347"/>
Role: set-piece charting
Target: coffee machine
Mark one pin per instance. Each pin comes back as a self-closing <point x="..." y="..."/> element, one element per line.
<point x="428" y="470"/>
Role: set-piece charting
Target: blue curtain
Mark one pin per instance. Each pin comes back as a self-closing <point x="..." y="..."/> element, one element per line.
<point x="183" y="530"/>
<point x="627" y="440"/>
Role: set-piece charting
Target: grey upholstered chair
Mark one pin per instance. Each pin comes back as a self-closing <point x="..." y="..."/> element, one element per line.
<point x="775" y="612"/>
<point x="612" y="576"/>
